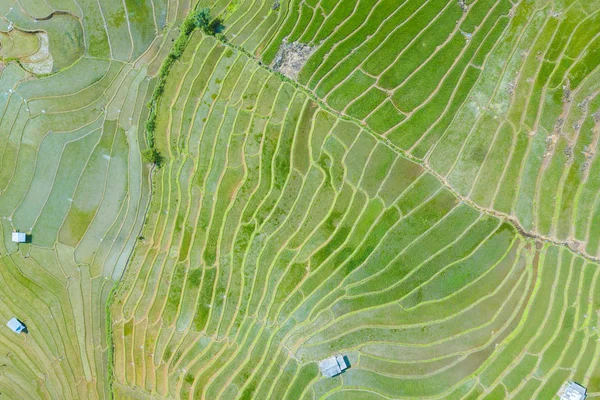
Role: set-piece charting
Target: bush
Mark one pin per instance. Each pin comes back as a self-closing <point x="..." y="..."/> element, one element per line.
<point x="202" y="19"/>
<point x="164" y="68"/>
<point x="152" y="156"/>
<point x="179" y="47"/>
<point x="188" y="25"/>
<point x="215" y="27"/>
<point x="151" y="122"/>
<point x="160" y="88"/>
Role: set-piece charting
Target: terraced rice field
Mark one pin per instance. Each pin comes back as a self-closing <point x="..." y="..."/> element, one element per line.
<point x="422" y="198"/>
<point x="280" y="234"/>
<point x="72" y="178"/>
<point x="499" y="99"/>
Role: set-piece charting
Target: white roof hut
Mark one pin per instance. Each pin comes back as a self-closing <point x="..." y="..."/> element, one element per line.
<point x="332" y="366"/>
<point x="573" y="391"/>
<point x="15" y="325"/>
<point x="19" y="237"/>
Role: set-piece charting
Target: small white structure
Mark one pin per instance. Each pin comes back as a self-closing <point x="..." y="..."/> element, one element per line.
<point x="572" y="391"/>
<point x="15" y="325"/>
<point x="332" y="366"/>
<point x="19" y="237"/>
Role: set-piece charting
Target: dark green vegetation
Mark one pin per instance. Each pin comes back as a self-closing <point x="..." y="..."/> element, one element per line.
<point x="152" y="156"/>
<point x="424" y="199"/>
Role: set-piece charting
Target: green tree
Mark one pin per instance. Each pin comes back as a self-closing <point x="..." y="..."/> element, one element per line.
<point x="152" y="155"/>
<point x="202" y="20"/>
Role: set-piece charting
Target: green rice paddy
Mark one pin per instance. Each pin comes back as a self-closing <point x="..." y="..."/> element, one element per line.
<point x="424" y="199"/>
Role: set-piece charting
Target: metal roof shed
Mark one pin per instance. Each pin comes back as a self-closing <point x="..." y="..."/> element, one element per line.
<point x="15" y="325"/>
<point x="332" y="366"/>
<point x="19" y="237"/>
<point x="573" y="391"/>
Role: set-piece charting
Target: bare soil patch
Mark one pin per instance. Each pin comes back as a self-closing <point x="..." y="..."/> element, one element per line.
<point x="291" y="57"/>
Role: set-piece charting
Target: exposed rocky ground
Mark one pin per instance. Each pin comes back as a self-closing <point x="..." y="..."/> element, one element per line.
<point x="291" y="57"/>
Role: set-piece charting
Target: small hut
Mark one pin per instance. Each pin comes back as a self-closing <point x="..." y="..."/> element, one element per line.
<point x="19" y="237"/>
<point x="572" y="391"/>
<point x="333" y="366"/>
<point x="16" y="325"/>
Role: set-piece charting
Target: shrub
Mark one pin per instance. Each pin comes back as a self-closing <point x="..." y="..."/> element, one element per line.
<point x="164" y="68"/>
<point x="151" y="122"/>
<point x="188" y="25"/>
<point x="160" y="88"/>
<point x="202" y="19"/>
<point x="215" y="27"/>
<point x="152" y="156"/>
<point x="179" y="47"/>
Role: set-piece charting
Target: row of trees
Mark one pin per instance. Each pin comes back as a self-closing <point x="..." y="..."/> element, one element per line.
<point x="199" y="19"/>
